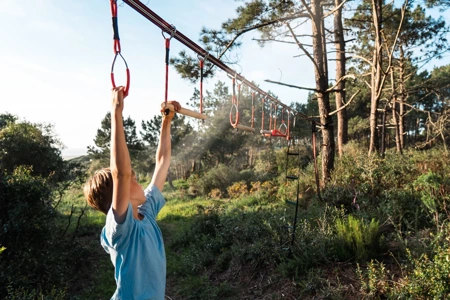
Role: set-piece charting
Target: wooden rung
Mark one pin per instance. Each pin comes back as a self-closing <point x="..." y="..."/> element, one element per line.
<point x="245" y="128"/>
<point x="184" y="111"/>
<point x="291" y="202"/>
<point x="266" y="132"/>
<point x="292" y="177"/>
<point x="293" y="153"/>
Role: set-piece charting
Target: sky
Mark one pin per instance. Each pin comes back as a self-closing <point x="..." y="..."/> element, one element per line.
<point x="56" y="55"/>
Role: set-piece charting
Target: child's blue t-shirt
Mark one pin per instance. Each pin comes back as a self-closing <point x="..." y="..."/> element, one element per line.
<point x="137" y="252"/>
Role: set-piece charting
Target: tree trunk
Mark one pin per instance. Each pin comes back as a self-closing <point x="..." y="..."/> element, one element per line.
<point x="376" y="76"/>
<point x="395" y="113"/>
<point x="401" y="101"/>
<point x="323" y="98"/>
<point x="383" y="132"/>
<point x="342" y="119"/>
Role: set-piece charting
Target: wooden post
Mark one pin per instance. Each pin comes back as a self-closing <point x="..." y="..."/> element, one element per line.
<point x="184" y="111"/>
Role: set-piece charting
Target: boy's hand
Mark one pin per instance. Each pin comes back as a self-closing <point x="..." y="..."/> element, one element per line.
<point x="176" y="106"/>
<point x="117" y="98"/>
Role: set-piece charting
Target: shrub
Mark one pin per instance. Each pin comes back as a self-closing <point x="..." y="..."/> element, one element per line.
<point x="43" y="256"/>
<point x="434" y="191"/>
<point x="237" y="189"/>
<point x="215" y="194"/>
<point x="429" y="278"/>
<point x="220" y="178"/>
<point x="360" y="241"/>
<point x="423" y="278"/>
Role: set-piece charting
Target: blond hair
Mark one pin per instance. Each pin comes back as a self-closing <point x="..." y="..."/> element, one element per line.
<point x="98" y="190"/>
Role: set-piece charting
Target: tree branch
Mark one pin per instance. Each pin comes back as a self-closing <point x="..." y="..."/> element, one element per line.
<point x="292" y="86"/>
<point x="272" y="40"/>
<point x="301" y="46"/>
<point x="340" y="79"/>
<point x="257" y="26"/>
<point x="362" y="58"/>
<point x="334" y="10"/>
<point x="345" y="105"/>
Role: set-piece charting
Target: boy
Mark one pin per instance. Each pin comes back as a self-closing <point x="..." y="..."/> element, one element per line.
<point x="131" y="236"/>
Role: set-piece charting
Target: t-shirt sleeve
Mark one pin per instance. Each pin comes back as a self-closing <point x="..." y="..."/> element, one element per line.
<point x="114" y="233"/>
<point x="153" y="203"/>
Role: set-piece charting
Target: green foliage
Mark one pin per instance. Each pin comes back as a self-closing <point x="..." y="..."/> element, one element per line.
<point x="33" y="177"/>
<point x="6" y="119"/>
<point x="42" y="256"/>
<point x="423" y="278"/>
<point x="29" y="144"/>
<point x="103" y="138"/>
<point x="360" y="241"/>
<point x="266" y="163"/>
<point x="434" y="191"/>
<point x="22" y="293"/>
<point x="220" y="178"/>
<point x="429" y="277"/>
<point x="222" y="239"/>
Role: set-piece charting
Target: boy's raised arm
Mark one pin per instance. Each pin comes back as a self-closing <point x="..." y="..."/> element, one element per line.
<point x="120" y="163"/>
<point x="163" y="154"/>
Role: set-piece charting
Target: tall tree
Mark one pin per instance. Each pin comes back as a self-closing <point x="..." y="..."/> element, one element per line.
<point x="103" y="139"/>
<point x="339" y="42"/>
<point x="374" y="50"/>
<point x="392" y="48"/>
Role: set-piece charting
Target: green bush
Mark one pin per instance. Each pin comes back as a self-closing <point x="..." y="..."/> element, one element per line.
<point x="220" y="178"/>
<point x="43" y="256"/>
<point x="423" y="278"/>
<point x="221" y="239"/>
<point x="360" y="241"/>
<point x="429" y="278"/>
<point x="434" y="193"/>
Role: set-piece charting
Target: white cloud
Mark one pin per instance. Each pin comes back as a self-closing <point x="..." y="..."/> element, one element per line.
<point x="12" y="8"/>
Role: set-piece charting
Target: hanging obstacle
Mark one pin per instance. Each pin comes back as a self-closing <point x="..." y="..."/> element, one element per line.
<point x="283" y="130"/>
<point x="165" y="106"/>
<point x="264" y="132"/>
<point x="117" y="49"/>
<point x="235" y="108"/>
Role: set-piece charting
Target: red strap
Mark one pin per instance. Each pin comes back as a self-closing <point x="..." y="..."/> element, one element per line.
<point x="289" y="126"/>
<point x="234" y="105"/>
<point x="253" y="110"/>
<point x="117" y="48"/>
<point x="167" y="43"/>
<point x="262" y="117"/>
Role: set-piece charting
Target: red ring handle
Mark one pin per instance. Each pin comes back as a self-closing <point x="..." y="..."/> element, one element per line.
<point x="236" y="122"/>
